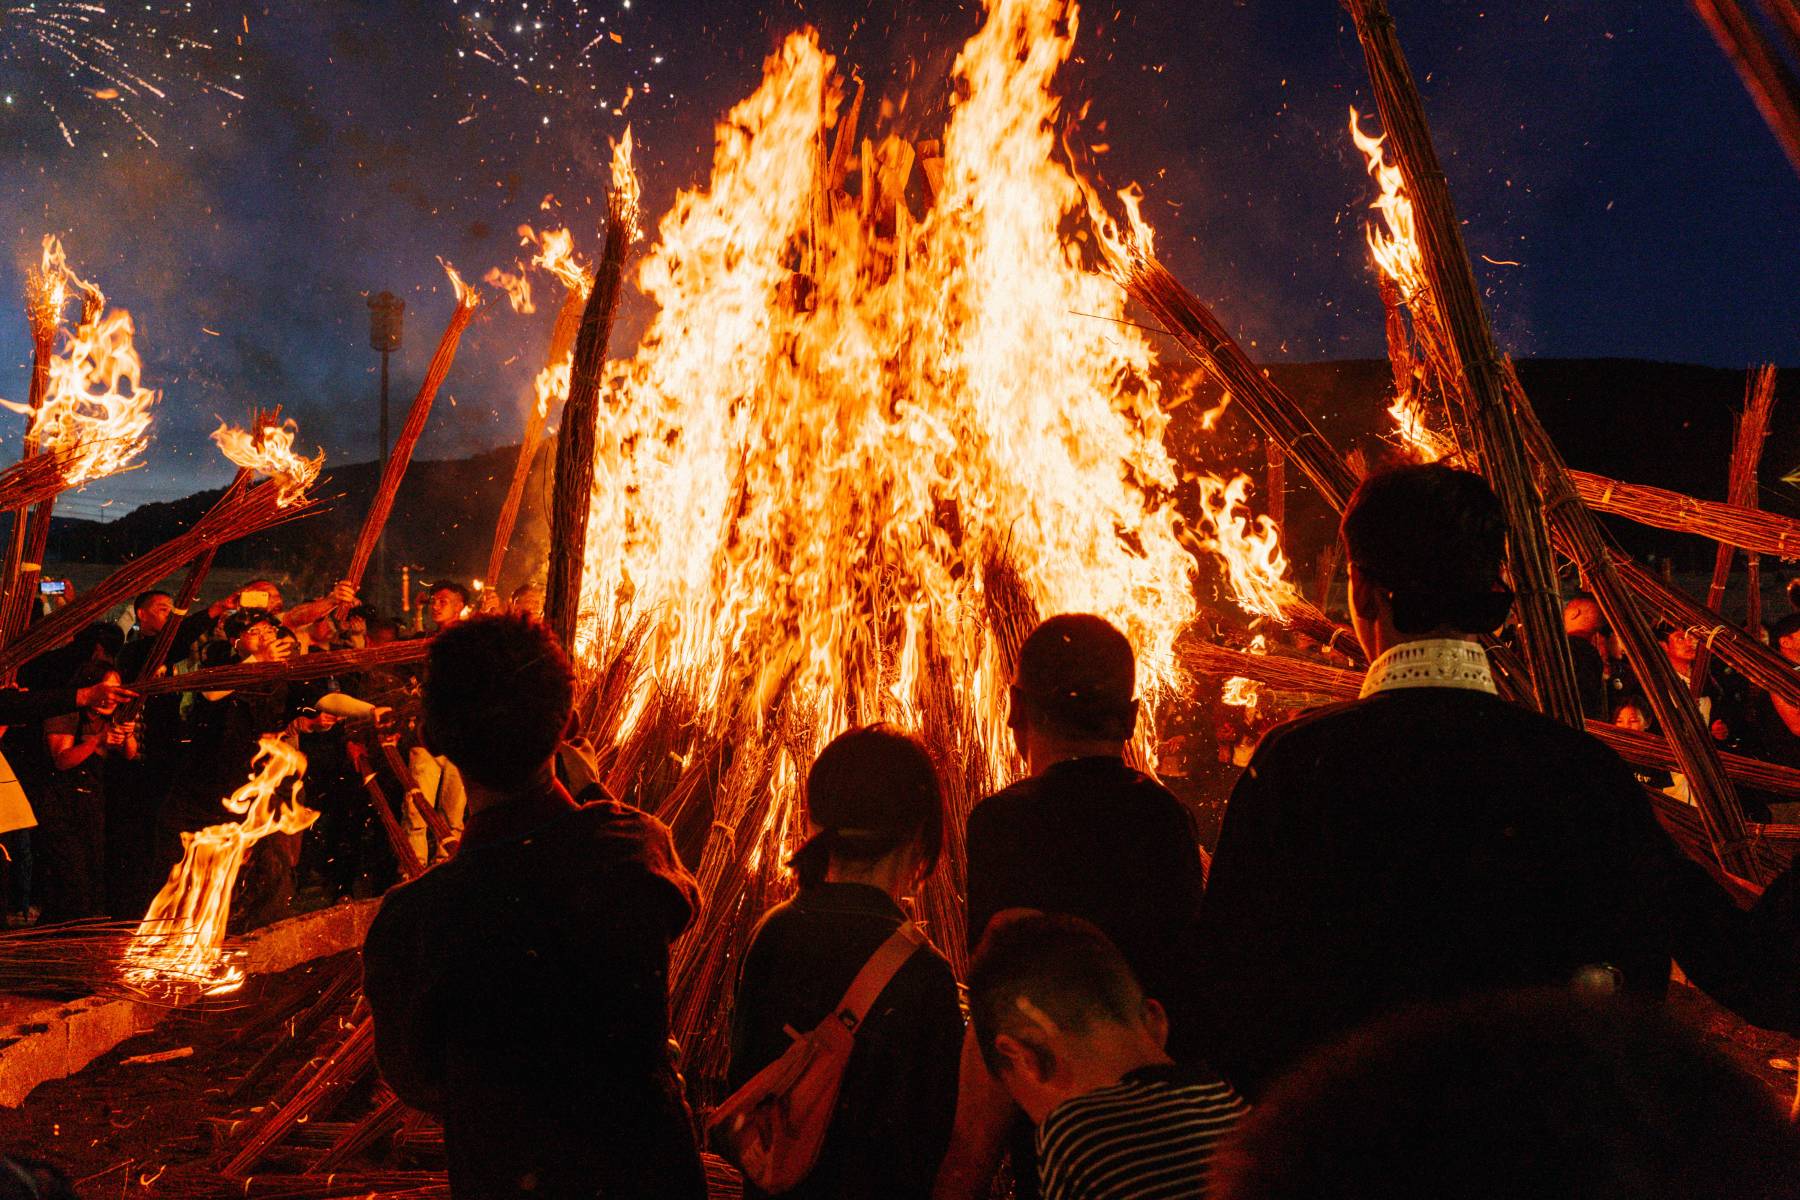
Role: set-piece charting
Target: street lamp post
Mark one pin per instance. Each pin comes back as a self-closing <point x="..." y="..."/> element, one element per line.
<point x="385" y="326"/>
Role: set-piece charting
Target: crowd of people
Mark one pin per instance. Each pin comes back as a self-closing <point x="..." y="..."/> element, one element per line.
<point x="98" y="785"/>
<point x="1427" y="956"/>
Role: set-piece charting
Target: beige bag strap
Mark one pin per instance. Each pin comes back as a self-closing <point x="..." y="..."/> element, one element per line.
<point x="877" y="973"/>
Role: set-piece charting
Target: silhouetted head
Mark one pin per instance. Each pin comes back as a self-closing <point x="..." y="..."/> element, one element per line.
<point x="498" y="692"/>
<point x="872" y="791"/>
<point x="1076" y="683"/>
<point x="1555" y="1096"/>
<point x="1426" y="544"/>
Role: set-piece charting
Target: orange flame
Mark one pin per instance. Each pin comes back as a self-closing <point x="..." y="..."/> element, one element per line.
<point x="1240" y="692"/>
<point x="1250" y="547"/>
<point x="833" y="427"/>
<point x="182" y="935"/>
<point x="625" y="194"/>
<point x="556" y="254"/>
<point x="48" y="289"/>
<point x="466" y="296"/>
<point x="1397" y="255"/>
<point x="516" y="287"/>
<point x="95" y="408"/>
<point x="270" y="451"/>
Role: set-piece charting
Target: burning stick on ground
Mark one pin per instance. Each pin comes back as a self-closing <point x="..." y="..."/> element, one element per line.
<point x="184" y="928"/>
<point x="1749" y="431"/>
<point x="575" y="442"/>
<point x="552" y="384"/>
<point x="467" y="300"/>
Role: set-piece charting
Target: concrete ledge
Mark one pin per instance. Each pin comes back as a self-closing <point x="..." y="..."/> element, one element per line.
<point x="45" y="1040"/>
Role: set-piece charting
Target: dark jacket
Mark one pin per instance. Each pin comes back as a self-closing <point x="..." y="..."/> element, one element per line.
<point x="1095" y="839"/>
<point x="898" y="1100"/>
<point x="1430" y="842"/>
<point x="520" y="990"/>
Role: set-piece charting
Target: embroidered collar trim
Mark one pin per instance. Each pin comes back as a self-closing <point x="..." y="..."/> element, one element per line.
<point x="1431" y="662"/>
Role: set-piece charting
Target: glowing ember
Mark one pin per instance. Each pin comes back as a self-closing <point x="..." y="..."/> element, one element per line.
<point x="182" y="936"/>
<point x="1249" y="546"/>
<point x="1240" y="693"/>
<point x="269" y="450"/>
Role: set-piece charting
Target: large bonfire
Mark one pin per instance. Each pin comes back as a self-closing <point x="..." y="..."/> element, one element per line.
<point x="886" y="413"/>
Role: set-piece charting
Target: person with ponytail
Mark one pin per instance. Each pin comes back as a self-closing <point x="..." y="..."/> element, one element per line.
<point x="877" y="816"/>
<point x="1431" y="840"/>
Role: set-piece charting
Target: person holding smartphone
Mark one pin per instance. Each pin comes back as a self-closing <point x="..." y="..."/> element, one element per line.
<point x="71" y="844"/>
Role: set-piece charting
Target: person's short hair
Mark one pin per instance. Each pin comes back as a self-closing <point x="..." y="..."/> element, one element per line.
<point x="1552" y="1095"/>
<point x="1058" y="965"/>
<point x="143" y="599"/>
<point x="103" y="636"/>
<point x="1433" y="538"/>
<point x="1078" y="677"/>
<point x="1787" y="626"/>
<point x="871" y="791"/>
<point x="382" y="627"/>
<point x="91" y="672"/>
<point x="497" y="696"/>
<point x="450" y="585"/>
<point x="366" y="613"/>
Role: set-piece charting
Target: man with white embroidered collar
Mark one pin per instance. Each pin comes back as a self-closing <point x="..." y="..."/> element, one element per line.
<point x="1431" y="839"/>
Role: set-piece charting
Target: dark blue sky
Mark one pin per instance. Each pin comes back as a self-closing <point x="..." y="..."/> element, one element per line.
<point x="1605" y="146"/>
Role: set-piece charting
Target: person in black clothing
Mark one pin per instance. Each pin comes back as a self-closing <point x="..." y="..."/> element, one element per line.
<point x="71" y="847"/>
<point x="1431" y="840"/>
<point x="874" y="797"/>
<point x="1544" y="1094"/>
<point x="520" y="989"/>
<point x="1085" y="835"/>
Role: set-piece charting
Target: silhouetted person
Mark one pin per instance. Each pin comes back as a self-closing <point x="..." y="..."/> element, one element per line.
<point x="520" y="989"/>
<point x="1063" y="1024"/>
<point x="1548" y="1095"/>
<point x="872" y="796"/>
<point x="1085" y="835"/>
<point x="1431" y="840"/>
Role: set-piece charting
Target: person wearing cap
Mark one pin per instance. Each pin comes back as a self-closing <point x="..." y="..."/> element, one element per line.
<point x="1430" y="839"/>
<point x="1085" y="835"/>
<point x="872" y="797"/>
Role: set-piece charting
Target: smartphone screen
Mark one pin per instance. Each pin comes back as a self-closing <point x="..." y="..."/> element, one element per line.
<point x="253" y="599"/>
<point x="52" y="587"/>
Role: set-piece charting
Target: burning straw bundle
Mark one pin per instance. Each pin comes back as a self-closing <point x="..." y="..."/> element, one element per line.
<point x="253" y="511"/>
<point x="575" y="443"/>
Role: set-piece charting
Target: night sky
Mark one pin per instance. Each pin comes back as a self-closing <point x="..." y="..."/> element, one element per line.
<point x="1605" y="147"/>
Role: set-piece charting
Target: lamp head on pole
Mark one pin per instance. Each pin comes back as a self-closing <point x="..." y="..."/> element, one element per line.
<point x="385" y="323"/>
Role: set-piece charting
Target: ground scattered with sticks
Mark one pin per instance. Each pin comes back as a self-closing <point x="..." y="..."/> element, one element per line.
<point x="139" y="1124"/>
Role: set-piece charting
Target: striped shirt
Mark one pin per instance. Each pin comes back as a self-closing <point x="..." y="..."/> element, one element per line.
<point x="1150" y="1136"/>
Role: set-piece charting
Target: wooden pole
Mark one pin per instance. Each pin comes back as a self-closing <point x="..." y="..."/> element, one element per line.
<point x="575" y="441"/>
<point x="1457" y="300"/>
<point x="562" y="342"/>
<point x="1749" y="529"/>
<point x="1766" y="76"/>
<point x="383" y="503"/>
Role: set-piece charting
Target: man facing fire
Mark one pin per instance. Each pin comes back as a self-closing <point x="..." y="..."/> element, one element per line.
<point x="1431" y="840"/>
<point x="520" y="989"/>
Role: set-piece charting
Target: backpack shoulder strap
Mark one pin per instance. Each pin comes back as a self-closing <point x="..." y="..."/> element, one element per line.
<point x="877" y="973"/>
